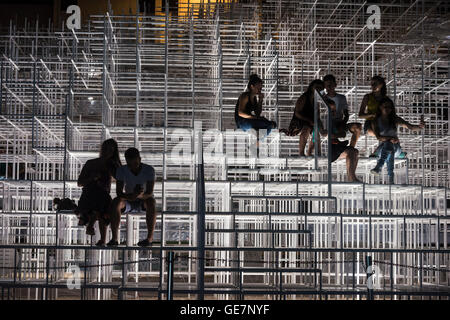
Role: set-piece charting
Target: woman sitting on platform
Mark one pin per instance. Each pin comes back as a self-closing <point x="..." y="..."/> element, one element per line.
<point x="248" y="104"/>
<point x="371" y="102"/>
<point x="303" y="119"/>
<point x="95" y="178"/>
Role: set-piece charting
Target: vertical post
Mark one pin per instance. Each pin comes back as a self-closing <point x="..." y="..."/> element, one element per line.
<point x="193" y="70"/>
<point x="369" y="272"/>
<point x="200" y="212"/>
<point x="33" y="114"/>
<point x="395" y="76"/>
<point x="138" y="78"/>
<point x="329" y="129"/>
<point x="1" y="86"/>
<point x="220" y="84"/>
<point x="170" y="258"/>
<point x="249" y="61"/>
<point x="316" y="130"/>
<point x="423" y="131"/>
<point x="124" y="275"/>
<point x="277" y="116"/>
<point x="166" y="75"/>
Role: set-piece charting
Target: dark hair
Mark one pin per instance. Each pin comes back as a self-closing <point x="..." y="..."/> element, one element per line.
<point x="381" y="80"/>
<point x="115" y="159"/>
<point x="132" y="153"/>
<point x="253" y="80"/>
<point x="309" y="92"/>
<point x="392" y="115"/>
<point x="329" y="77"/>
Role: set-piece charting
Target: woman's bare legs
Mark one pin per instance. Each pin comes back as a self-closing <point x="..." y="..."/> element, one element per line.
<point x="304" y="135"/>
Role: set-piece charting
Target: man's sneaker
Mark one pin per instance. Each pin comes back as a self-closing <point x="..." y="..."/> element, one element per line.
<point x="112" y="243"/>
<point x="375" y="172"/>
<point x="144" y="243"/>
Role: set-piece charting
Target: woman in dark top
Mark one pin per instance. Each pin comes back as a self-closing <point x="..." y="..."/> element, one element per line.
<point x="248" y="104"/>
<point x="371" y="102"/>
<point x="95" y="179"/>
<point x="303" y="118"/>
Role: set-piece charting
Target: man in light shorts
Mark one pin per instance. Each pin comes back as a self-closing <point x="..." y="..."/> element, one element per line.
<point x="341" y="116"/>
<point x="138" y="180"/>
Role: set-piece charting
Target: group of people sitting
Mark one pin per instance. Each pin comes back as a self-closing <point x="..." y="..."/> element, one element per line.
<point x="135" y="181"/>
<point x="377" y="109"/>
<point x="134" y="187"/>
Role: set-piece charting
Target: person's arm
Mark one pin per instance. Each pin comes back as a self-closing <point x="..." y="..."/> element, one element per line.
<point x="405" y="124"/>
<point x="362" y="110"/>
<point x="299" y="105"/>
<point x="243" y="100"/>
<point x="258" y="109"/>
<point x="127" y="196"/>
<point x="86" y="175"/>
<point x="346" y="114"/>
<point x="149" y="190"/>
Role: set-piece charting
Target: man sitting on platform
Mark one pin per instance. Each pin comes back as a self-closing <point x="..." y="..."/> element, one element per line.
<point x="339" y="149"/>
<point x="138" y="179"/>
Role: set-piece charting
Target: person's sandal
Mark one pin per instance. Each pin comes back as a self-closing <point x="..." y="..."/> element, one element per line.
<point x="100" y="243"/>
<point x="90" y="231"/>
<point x="112" y="243"/>
<point x="144" y="243"/>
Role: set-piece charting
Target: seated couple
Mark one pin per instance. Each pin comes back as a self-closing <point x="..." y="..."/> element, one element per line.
<point x="134" y="187"/>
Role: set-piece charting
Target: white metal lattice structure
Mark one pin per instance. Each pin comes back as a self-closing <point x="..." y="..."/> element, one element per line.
<point x="272" y="229"/>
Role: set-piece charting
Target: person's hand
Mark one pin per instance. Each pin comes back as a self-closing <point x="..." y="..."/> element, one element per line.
<point x="422" y="122"/>
<point x="260" y="96"/>
<point x="138" y="189"/>
<point x="136" y="192"/>
<point x="140" y="195"/>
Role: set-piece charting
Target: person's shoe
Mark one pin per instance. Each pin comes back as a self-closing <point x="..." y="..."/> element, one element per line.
<point x="402" y="155"/>
<point x="144" y="243"/>
<point x="112" y="243"/>
<point x="100" y="243"/>
<point x="375" y="172"/>
<point x="90" y="231"/>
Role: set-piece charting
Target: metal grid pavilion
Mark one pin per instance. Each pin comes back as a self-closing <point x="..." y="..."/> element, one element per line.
<point x="271" y="228"/>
